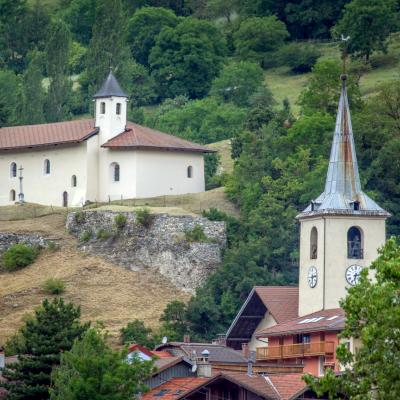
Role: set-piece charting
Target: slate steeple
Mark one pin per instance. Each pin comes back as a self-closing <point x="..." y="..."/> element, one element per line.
<point x="343" y="193"/>
<point x="110" y="87"/>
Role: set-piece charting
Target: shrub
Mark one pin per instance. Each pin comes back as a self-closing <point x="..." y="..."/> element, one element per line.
<point x="54" y="286"/>
<point x="80" y="217"/>
<point x="300" y="57"/>
<point x="195" y="235"/>
<point x="19" y="256"/>
<point x="52" y="246"/>
<point x="85" y="236"/>
<point x="143" y="217"/>
<point x="103" y="234"/>
<point x="120" y="221"/>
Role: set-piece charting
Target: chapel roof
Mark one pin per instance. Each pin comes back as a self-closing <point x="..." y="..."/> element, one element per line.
<point x="110" y="87"/>
<point x="343" y="187"/>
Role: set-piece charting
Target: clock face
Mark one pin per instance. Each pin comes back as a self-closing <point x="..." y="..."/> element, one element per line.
<point x="312" y="277"/>
<point x="353" y="274"/>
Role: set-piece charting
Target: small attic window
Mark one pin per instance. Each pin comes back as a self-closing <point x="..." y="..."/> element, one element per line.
<point x="118" y="108"/>
<point x="102" y="107"/>
<point x="356" y="205"/>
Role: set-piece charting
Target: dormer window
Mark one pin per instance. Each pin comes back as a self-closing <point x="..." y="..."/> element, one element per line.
<point x="118" y="109"/>
<point x="102" y="107"/>
<point x="356" y="205"/>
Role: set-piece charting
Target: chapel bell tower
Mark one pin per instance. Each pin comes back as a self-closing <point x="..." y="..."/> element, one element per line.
<point x="110" y="108"/>
<point x="340" y="231"/>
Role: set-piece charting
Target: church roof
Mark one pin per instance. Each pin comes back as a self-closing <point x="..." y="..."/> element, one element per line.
<point x="110" y="87"/>
<point x="29" y="136"/>
<point x="343" y="193"/>
<point x="137" y="136"/>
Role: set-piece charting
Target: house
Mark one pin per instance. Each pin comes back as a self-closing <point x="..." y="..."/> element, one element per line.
<point x="340" y="234"/>
<point x="101" y="159"/>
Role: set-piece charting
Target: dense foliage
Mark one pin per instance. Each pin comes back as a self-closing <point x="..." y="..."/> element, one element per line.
<point x="18" y="256"/>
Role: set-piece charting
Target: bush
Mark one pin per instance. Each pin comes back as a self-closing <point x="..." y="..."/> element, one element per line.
<point x="52" y="246"/>
<point x="196" y="234"/>
<point x="80" y="217"/>
<point x="383" y="60"/>
<point x="103" y="234"/>
<point x="300" y="57"/>
<point x="143" y="217"/>
<point x="19" y="256"/>
<point x="54" y="286"/>
<point x="120" y="221"/>
<point x="85" y="236"/>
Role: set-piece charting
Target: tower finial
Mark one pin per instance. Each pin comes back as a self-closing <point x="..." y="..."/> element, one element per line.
<point x="344" y="55"/>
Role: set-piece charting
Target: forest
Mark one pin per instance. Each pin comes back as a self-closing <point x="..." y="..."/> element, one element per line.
<point x="196" y="69"/>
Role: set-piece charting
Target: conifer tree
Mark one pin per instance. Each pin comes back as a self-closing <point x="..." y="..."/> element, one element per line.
<point x="57" y="54"/>
<point x="52" y="330"/>
<point x="33" y="92"/>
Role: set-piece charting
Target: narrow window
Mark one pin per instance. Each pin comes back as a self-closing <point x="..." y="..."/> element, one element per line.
<point x="115" y="172"/>
<point x="102" y="107"/>
<point x="73" y="181"/>
<point x="314" y="243"/>
<point x="356" y="205"/>
<point x="46" y="167"/>
<point x="118" y="108"/>
<point x="13" y="170"/>
<point x="190" y="171"/>
<point x="355" y="243"/>
<point x="12" y="195"/>
<point x="65" y="199"/>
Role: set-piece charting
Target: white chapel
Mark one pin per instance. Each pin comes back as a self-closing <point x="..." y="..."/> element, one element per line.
<point x="108" y="158"/>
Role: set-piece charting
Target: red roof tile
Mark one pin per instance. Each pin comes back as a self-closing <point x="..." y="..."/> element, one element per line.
<point x="161" y="354"/>
<point x="281" y="301"/>
<point x="324" y="320"/>
<point x="288" y="385"/>
<point x="142" y="349"/>
<point x="19" y="137"/>
<point x="137" y="136"/>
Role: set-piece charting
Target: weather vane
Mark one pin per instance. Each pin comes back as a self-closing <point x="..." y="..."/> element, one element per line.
<point x="344" y="53"/>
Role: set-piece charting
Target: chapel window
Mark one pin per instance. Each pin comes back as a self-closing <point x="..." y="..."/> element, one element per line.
<point x="12" y="195"/>
<point x="314" y="243"/>
<point x="73" y="181"/>
<point x="13" y="170"/>
<point x="102" y="107"/>
<point x="190" y="171"/>
<point x="118" y="108"/>
<point x="46" y="167"/>
<point x="355" y="243"/>
<point x="115" y="172"/>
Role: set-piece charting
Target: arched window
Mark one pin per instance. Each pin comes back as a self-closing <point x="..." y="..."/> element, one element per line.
<point x="355" y="242"/>
<point x="115" y="172"/>
<point x="13" y="170"/>
<point x="46" y="167"/>
<point x="118" y="108"/>
<point x="65" y="199"/>
<point x="12" y="195"/>
<point x="102" y="107"/>
<point x="73" y="181"/>
<point x="314" y="243"/>
<point x="190" y="171"/>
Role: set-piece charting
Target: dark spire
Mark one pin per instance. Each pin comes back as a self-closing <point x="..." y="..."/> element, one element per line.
<point x="110" y="87"/>
<point x="343" y="192"/>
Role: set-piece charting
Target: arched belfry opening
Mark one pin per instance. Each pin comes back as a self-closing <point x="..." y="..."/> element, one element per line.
<point x="314" y="243"/>
<point x="355" y="243"/>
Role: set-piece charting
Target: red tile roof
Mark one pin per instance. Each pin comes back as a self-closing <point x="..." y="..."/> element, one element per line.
<point x="288" y="385"/>
<point x="324" y="320"/>
<point x="161" y="354"/>
<point x="142" y="349"/>
<point x="174" y="389"/>
<point x="281" y="301"/>
<point x="27" y="136"/>
<point x="137" y="136"/>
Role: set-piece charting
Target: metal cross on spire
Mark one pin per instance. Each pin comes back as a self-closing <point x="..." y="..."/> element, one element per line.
<point x="344" y="53"/>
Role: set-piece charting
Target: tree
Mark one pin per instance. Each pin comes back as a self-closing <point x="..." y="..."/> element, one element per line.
<point x="372" y="310"/>
<point x="136" y="332"/>
<point x="221" y="8"/>
<point x="10" y="95"/>
<point x="258" y="36"/>
<point x="57" y="57"/>
<point x="368" y="23"/>
<point x="237" y="82"/>
<point x="186" y="59"/>
<point x="52" y="330"/>
<point x="173" y="320"/>
<point x="143" y="86"/>
<point x="143" y="28"/>
<point x="92" y="370"/>
<point x="33" y="92"/>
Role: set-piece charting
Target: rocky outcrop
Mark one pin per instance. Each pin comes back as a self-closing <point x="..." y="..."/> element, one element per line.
<point x="8" y="239"/>
<point x="163" y="245"/>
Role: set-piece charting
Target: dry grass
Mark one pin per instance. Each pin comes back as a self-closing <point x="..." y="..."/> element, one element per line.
<point x="224" y="150"/>
<point x="104" y="291"/>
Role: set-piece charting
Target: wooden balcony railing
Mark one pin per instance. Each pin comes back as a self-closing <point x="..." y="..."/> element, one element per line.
<point x="295" y="350"/>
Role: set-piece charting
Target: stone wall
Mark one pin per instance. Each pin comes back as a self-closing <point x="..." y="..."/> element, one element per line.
<point x="8" y="239"/>
<point x="161" y="246"/>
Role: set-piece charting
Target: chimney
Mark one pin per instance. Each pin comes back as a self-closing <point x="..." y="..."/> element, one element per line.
<point x="250" y="363"/>
<point x="2" y="360"/>
<point x="245" y="350"/>
<point x="204" y="369"/>
<point x="186" y="338"/>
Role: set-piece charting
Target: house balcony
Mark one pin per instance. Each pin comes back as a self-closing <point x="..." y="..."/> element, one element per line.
<point x="297" y="350"/>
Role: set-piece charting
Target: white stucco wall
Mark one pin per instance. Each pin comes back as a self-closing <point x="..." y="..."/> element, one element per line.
<point x="266" y="322"/>
<point x="332" y="257"/>
<point x="45" y="189"/>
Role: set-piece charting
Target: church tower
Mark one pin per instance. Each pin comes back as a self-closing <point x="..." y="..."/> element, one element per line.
<point x="110" y="109"/>
<point x="340" y="231"/>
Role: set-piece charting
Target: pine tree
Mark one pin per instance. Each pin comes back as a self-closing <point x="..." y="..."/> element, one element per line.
<point x="33" y="92"/>
<point x="60" y="89"/>
<point x="52" y="330"/>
